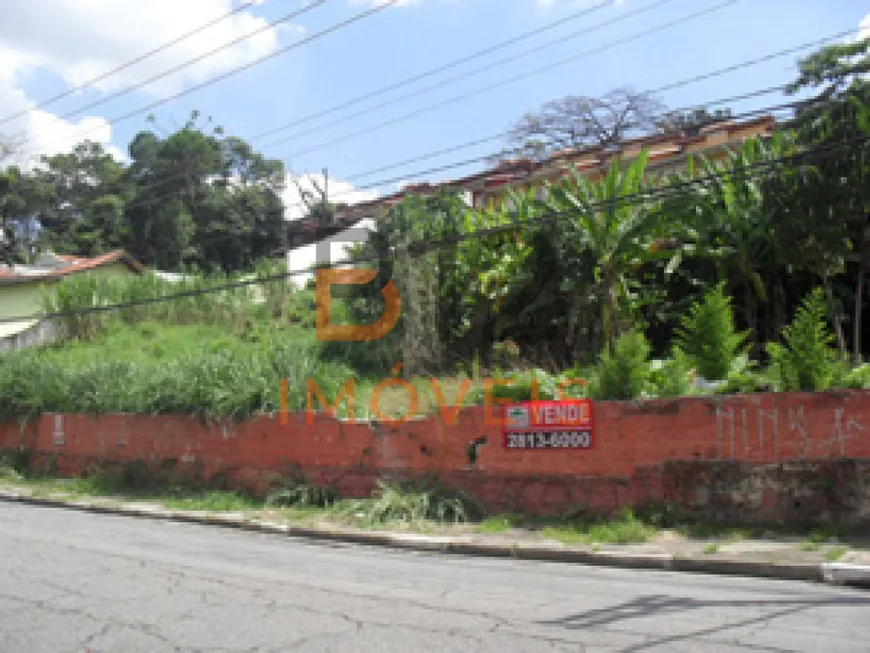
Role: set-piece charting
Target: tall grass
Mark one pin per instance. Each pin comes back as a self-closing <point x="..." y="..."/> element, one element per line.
<point x="81" y="292"/>
<point x="153" y="369"/>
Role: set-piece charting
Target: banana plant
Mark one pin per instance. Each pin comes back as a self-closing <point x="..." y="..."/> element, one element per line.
<point x="734" y="219"/>
<point x="614" y="222"/>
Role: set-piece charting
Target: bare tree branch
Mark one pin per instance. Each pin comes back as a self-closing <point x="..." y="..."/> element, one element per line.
<point x="581" y="121"/>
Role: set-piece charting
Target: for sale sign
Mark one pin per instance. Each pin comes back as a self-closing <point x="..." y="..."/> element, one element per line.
<point x="548" y="425"/>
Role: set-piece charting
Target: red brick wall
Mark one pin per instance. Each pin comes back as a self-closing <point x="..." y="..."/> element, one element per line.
<point x="633" y="441"/>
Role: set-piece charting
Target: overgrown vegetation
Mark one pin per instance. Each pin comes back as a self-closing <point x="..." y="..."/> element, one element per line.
<point x="413" y="502"/>
<point x="151" y="368"/>
<point x="638" y="284"/>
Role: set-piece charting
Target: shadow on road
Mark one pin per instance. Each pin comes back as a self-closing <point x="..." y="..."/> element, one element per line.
<point x="661" y="605"/>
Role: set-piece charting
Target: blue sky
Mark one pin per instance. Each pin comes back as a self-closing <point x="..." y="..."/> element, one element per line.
<point x="402" y="41"/>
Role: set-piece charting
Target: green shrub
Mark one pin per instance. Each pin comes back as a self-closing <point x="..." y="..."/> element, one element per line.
<point x="807" y="359"/>
<point x="297" y="492"/>
<point x="416" y="501"/>
<point x="672" y="377"/>
<point x="858" y="378"/>
<point x="707" y="335"/>
<point x="625" y="372"/>
<point x="743" y="378"/>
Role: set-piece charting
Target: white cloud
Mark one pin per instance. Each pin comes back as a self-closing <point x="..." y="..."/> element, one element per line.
<point x="82" y="39"/>
<point x="864" y="28"/>
<point x="41" y="132"/>
<point x="77" y="40"/>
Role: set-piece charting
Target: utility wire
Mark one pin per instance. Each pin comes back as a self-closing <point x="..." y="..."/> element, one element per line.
<point x="487" y="157"/>
<point x="186" y="64"/>
<point x="404" y="83"/>
<point x="508" y="81"/>
<point x="463" y="76"/>
<point x="685" y="82"/>
<point x="418" y="247"/>
<point x="457" y="164"/>
<point x="380" y="6"/>
<point x="666" y="87"/>
<point x="494" y="137"/>
<point x="128" y="64"/>
<point x="479" y="159"/>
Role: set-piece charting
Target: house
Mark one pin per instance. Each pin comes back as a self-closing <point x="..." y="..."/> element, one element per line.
<point x="668" y="153"/>
<point x="22" y="288"/>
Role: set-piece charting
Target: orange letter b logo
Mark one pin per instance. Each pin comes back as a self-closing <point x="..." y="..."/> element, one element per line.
<point x="328" y="277"/>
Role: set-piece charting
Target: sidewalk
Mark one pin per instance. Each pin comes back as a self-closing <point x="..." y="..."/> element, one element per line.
<point x="771" y="556"/>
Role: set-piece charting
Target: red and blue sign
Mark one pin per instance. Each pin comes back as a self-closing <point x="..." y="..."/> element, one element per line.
<point x="548" y="425"/>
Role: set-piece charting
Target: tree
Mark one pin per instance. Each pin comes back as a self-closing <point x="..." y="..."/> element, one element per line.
<point x="833" y="126"/>
<point x="583" y="121"/>
<point x="17" y="224"/>
<point x="69" y="194"/>
<point x="691" y="122"/>
<point x="612" y="223"/>
<point x="732" y="219"/>
<point x="9" y="148"/>
<point x="203" y="199"/>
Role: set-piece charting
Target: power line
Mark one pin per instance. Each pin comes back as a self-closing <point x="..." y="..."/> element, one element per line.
<point x="457" y="164"/>
<point x="128" y="64"/>
<point x="186" y="64"/>
<point x="479" y="159"/>
<point x="493" y="137"/>
<point x="508" y="81"/>
<point x="452" y="64"/>
<point x="670" y="86"/>
<point x="403" y="83"/>
<point x="666" y="87"/>
<point x="380" y="6"/>
<point x="421" y="246"/>
<point x="476" y="71"/>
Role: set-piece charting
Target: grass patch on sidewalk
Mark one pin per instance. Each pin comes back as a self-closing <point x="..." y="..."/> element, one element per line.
<point x="626" y="528"/>
<point x="424" y="506"/>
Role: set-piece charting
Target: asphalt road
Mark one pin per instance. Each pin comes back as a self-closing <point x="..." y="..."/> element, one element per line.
<point x="72" y="581"/>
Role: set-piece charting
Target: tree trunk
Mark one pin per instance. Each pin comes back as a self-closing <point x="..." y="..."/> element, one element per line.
<point x="609" y="313"/>
<point x="838" y="323"/>
<point x="751" y="313"/>
<point x="859" y="296"/>
<point x="780" y="308"/>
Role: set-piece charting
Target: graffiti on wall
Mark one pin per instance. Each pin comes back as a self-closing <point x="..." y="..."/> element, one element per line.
<point x="780" y="434"/>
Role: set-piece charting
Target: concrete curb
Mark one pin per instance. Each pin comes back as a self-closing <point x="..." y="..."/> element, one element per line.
<point x="842" y="573"/>
<point x="831" y="573"/>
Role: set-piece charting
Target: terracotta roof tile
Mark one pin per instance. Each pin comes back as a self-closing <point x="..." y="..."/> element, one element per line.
<point x="78" y="264"/>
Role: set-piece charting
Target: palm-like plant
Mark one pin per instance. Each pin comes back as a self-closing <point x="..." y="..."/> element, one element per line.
<point x="614" y="222"/>
<point x="733" y="219"/>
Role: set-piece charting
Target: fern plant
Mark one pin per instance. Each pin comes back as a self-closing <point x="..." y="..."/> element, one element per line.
<point x="624" y="373"/>
<point x="807" y="358"/>
<point x="708" y="336"/>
